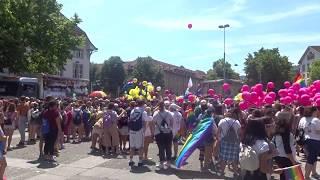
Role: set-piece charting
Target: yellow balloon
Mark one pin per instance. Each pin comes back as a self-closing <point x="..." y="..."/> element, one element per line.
<point x="150" y="88"/>
<point x="144" y="83"/>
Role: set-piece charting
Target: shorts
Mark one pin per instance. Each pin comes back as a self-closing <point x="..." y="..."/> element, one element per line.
<point x="10" y="127"/>
<point x="136" y="139"/>
<point x="97" y="131"/>
<point x="229" y="151"/>
<point x="313" y="148"/>
<point x="124" y="131"/>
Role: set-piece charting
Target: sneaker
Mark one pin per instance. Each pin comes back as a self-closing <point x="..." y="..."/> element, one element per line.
<point x="131" y="163"/>
<point x="160" y="166"/>
<point x="21" y="144"/>
<point x="317" y="176"/>
<point x="140" y="164"/>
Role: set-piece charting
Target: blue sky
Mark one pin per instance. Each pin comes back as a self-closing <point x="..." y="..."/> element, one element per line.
<point x="132" y="28"/>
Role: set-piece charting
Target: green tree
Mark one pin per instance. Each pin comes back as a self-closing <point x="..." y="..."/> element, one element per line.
<point x="35" y="37"/>
<point x="145" y="71"/>
<point x="112" y="75"/>
<point x="315" y="70"/>
<point x="95" y="76"/>
<point x="211" y="75"/>
<point x="267" y="65"/>
<point x="218" y="69"/>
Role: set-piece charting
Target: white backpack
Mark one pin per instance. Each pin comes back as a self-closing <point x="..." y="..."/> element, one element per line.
<point x="248" y="158"/>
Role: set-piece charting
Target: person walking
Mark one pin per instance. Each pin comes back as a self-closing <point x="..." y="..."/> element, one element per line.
<point x="163" y="120"/>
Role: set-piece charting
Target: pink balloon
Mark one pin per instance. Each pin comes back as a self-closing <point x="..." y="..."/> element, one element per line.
<point x="211" y="92"/>
<point x="228" y="101"/>
<point x="287" y="100"/>
<point x="287" y="84"/>
<point x="270" y="85"/>
<point x="317" y="102"/>
<point x="283" y="92"/>
<point x="296" y="86"/>
<point x="245" y="88"/>
<point x="254" y="96"/>
<point x="290" y="91"/>
<point x="246" y="96"/>
<point x="180" y="100"/>
<point x="268" y="99"/>
<point x="191" y="98"/>
<point x="243" y="106"/>
<point x="303" y="91"/>
<point x="215" y="96"/>
<point x="273" y="95"/>
<point x="305" y="100"/>
<point x="226" y="86"/>
<point x="259" y="88"/>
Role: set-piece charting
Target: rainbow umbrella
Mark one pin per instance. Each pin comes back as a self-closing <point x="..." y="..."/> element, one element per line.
<point x="98" y="94"/>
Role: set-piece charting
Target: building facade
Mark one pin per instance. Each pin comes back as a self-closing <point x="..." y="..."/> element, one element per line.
<point x="175" y="78"/>
<point x="311" y="54"/>
<point x="74" y="77"/>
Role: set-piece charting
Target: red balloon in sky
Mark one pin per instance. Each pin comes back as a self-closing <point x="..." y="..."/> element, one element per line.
<point x="189" y="26"/>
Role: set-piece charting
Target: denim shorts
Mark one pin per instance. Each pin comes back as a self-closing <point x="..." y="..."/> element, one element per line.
<point x="313" y="148"/>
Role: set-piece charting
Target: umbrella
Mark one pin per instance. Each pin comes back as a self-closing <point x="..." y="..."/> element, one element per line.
<point x="98" y="94"/>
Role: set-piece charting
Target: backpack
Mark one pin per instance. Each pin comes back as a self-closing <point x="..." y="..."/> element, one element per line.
<point x="164" y="127"/>
<point x="86" y="116"/>
<point x="35" y="115"/>
<point x="231" y="135"/>
<point x="135" y="121"/>
<point x="107" y="120"/>
<point x="300" y="137"/>
<point x="45" y="127"/>
<point x="8" y="119"/>
<point x="248" y="158"/>
<point x="77" y="117"/>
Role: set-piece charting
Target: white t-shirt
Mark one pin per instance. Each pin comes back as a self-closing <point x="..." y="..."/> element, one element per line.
<point x="280" y="147"/>
<point x="261" y="146"/>
<point x="148" y="130"/>
<point x="226" y="123"/>
<point x="310" y="125"/>
<point x="177" y="118"/>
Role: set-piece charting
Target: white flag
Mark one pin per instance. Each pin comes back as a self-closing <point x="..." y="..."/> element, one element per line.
<point x="190" y="84"/>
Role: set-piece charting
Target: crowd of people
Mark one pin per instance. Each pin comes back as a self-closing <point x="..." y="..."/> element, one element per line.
<point x="277" y="133"/>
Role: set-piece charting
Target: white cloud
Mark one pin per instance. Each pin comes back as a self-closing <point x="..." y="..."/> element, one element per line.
<point x="298" y="11"/>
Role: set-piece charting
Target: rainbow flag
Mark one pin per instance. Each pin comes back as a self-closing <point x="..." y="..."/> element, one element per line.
<point x="293" y="173"/>
<point x="299" y="79"/>
<point x="191" y="120"/>
<point x="200" y="133"/>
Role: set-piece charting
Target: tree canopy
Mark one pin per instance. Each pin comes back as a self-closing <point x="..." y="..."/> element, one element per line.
<point x="315" y="70"/>
<point x="35" y="37"/>
<point x="217" y="71"/>
<point x="267" y="65"/>
<point x="112" y="75"/>
<point x="144" y="70"/>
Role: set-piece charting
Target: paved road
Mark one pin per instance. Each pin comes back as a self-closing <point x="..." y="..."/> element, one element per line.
<point x="77" y="163"/>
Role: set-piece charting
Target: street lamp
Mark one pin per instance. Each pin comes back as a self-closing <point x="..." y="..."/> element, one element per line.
<point x="224" y="49"/>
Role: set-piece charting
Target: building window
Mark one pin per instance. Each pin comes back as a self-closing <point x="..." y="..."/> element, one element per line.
<point x="78" y="53"/>
<point x="77" y="70"/>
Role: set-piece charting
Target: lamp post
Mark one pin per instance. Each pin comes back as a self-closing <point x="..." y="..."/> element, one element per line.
<point x="224" y="49"/>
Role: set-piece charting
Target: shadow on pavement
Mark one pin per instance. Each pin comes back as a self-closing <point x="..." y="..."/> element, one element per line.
<point x="140" y="170"/>
<point x="44" y="164"/>
<point x="190" y="174"/>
